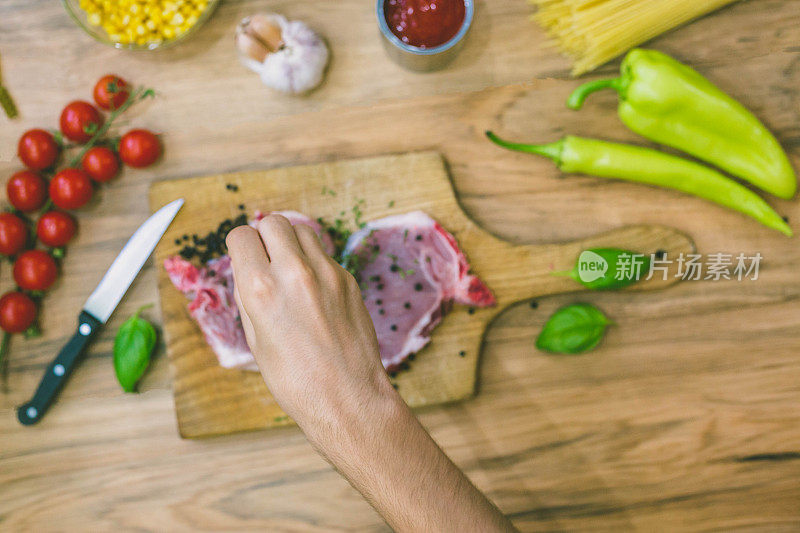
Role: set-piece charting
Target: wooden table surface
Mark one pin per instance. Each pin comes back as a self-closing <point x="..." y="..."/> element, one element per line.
<point x="686" y="418"/>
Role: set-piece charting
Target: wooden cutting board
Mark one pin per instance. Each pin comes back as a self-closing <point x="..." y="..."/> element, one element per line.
<point x="210" y="400"/>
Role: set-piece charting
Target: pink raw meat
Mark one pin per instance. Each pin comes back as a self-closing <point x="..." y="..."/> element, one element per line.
<point x="210" y="291"/>
<point x="411" y="272"/>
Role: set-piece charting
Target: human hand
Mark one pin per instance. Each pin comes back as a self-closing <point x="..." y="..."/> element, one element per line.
<point x="306" y="325"/>
<point x="315" y="345"/>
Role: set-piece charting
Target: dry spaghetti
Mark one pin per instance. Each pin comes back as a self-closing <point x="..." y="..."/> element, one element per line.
<point x="593" y="32"/>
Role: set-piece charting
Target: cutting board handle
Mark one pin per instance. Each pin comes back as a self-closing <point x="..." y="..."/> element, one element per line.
<point x="528" y="271"/>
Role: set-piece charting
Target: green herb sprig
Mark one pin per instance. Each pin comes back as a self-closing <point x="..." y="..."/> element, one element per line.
<point x="574" y="329"/>
<point x="133" y="347"/>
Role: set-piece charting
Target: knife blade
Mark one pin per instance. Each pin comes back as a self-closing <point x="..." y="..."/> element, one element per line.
<point x="98" y="309"/>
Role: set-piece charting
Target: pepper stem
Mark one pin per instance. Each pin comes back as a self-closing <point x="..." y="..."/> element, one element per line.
<point x="551" y="151"/>
<point x="579" y="95"/>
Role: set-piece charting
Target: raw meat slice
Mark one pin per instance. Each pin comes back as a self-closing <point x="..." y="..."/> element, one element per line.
<point x="411" y="272"/>
<point x="212" y="305"/>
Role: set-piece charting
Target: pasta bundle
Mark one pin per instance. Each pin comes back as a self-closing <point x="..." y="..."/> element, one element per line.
<point x="593" y="32"/>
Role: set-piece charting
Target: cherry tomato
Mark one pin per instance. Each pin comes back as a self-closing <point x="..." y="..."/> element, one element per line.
<point x="35" y="270"/>
<point x="13" y="234"/>
<point x="17" y="312"/>
<point x="100" y="163"/>
<point x="77" y="119"/>
<point x="111" y="91"/>
<point x="55" y="228"/>
<point x="70" y="189"/>
<point x="139" y="148"/>
<point x="26" y="191"/>
<point x="37" y="149"/>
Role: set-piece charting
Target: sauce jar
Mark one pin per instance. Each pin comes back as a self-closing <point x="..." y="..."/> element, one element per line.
<point x="424" y="35"/>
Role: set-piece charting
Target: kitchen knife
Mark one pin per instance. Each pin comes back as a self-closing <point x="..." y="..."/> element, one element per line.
<point x="98" y="308"/>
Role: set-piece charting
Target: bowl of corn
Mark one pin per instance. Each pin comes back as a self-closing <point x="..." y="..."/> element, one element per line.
<point x="140" y="24"/>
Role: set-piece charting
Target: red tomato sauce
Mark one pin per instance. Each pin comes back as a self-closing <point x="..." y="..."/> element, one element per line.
<point x="424" y="23"/>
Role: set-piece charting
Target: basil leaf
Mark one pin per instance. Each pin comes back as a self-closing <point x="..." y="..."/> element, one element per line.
<point x="609" y="268"/>
<point x="573" y="329"/>
<point x="133" y="346"/>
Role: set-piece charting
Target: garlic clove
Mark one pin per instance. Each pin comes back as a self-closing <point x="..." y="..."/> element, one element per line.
<point x="251" y="47"/>
<point x="267" y="31"/>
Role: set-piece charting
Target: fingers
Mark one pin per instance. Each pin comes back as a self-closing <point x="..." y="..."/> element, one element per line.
<point x="280" y="239"/>
<point x="248" y="255"/>
<point x="247" y="323"/>
<point x="309" y="242"/>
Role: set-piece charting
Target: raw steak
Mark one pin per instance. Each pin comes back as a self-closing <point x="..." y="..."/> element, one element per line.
<point x="411" y="272"/>
<point x="210" y="291"/>
<point x="212" y="305"/>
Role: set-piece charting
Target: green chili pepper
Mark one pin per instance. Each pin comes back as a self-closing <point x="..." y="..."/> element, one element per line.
<point x="672" y="104"/>
<point x="644" y="165"/>
<point x="602" y="269"/>
<point x="573" y="329"/>
<point x="133" y="345"/>
<point x="6" y="103"/>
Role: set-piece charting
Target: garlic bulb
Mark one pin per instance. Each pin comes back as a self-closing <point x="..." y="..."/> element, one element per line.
<point x="288" y="55"/>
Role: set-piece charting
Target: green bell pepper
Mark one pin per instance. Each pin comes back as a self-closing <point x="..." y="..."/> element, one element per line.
<point x="645" y="165"/>
<point x="672" y="104"/>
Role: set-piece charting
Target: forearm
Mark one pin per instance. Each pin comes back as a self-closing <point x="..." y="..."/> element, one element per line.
<point x="313" y="339"/>
<point x="391" y="460"/>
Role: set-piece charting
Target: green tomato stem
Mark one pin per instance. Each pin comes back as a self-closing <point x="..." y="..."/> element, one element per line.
<point x="3" y="357"/>
<point x="139" y="94"/>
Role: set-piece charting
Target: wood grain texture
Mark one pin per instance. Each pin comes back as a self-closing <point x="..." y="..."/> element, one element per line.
<point x="685" y="419"/>
<point x="211" y="400"/>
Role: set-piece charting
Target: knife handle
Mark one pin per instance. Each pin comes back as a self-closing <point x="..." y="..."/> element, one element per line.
<point x="58" y="371"/>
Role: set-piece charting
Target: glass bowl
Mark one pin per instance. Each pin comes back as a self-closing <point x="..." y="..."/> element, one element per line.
<point x="99" y="34"/>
